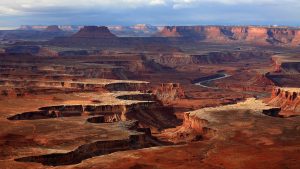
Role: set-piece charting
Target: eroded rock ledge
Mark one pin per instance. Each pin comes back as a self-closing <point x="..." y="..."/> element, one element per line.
<point x="135" y="140"/>
<point x="208" y="123"/>
<point x="169" y="92"/>
<point x="288" y="99"/>
<point x="151" y="114"/>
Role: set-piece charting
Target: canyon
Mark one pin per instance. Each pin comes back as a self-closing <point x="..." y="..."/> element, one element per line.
<point x="143" y="97"/>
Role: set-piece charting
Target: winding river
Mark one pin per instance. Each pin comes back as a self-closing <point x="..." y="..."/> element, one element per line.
<point x="203" y="82"/>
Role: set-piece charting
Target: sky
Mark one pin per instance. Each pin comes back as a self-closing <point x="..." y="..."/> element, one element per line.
<point x="14" y="13"/>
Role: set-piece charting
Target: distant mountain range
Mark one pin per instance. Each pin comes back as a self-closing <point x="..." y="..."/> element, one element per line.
<point x="139" y="30"/>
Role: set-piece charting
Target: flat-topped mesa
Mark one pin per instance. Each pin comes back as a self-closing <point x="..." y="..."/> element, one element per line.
<point x="94" y="32"/>
<point x="183" y="31"/>
<point x="288" y="99"/>
<point x="247" y="34"/>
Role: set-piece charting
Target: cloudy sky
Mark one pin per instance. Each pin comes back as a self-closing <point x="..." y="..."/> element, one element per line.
<point x="156" y="12"/>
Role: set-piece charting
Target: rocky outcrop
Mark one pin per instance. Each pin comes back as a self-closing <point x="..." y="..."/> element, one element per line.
<point x="150" y="114"/>
<point x="94" y="32"/>
<point x="169" y="92"/>
<point x="288" y="99"/>
<point x="286" y="70"/>
<point x="263" y="80"/>
<point x="169" y="31"/>
<point x="207" y="122"/>
<point x="287" y="64"/>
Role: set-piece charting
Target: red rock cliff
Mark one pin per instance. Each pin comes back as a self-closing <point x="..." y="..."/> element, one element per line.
<point x="247" y="34"/>
<point x="169" y="31"/>
<point x="289" y="64"/>
<point x="288" y="99"/>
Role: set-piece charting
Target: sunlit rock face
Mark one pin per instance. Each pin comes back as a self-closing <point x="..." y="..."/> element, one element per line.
<point x="247" y="34"/>
<point x="287" y="99"/>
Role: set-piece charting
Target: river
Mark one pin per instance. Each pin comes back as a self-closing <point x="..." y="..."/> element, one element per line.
<point x="203" y="82"/>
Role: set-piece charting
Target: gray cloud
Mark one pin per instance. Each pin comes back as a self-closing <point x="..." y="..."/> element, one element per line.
<point x="171" y="12"/>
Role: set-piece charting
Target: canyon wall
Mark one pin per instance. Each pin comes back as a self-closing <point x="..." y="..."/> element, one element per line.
<point x="246" y="34"/>
<point x="206" y="123"/>
<point x="149" y="114"/>
<point x="288" y="99"/>
<point x="287" y="64"/>
<point x="175" y="59"/>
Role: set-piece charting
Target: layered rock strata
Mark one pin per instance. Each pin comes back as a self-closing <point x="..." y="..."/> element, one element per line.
<point x="245" y="34"/>
<point x="288" y="99"/>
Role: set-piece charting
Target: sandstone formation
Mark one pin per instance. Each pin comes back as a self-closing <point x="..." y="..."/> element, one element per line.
<point x="287" y="99"/>
<point x="286" y="71"/>
<point x="287" y="64"/>
<point x="169" y="32"/>
<point x="233" y="131"/>
<point x="244" y="34"/>
<point x="168" y="92"/>
<point x="197" y="124"/>
<point x="106" y="108"/>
